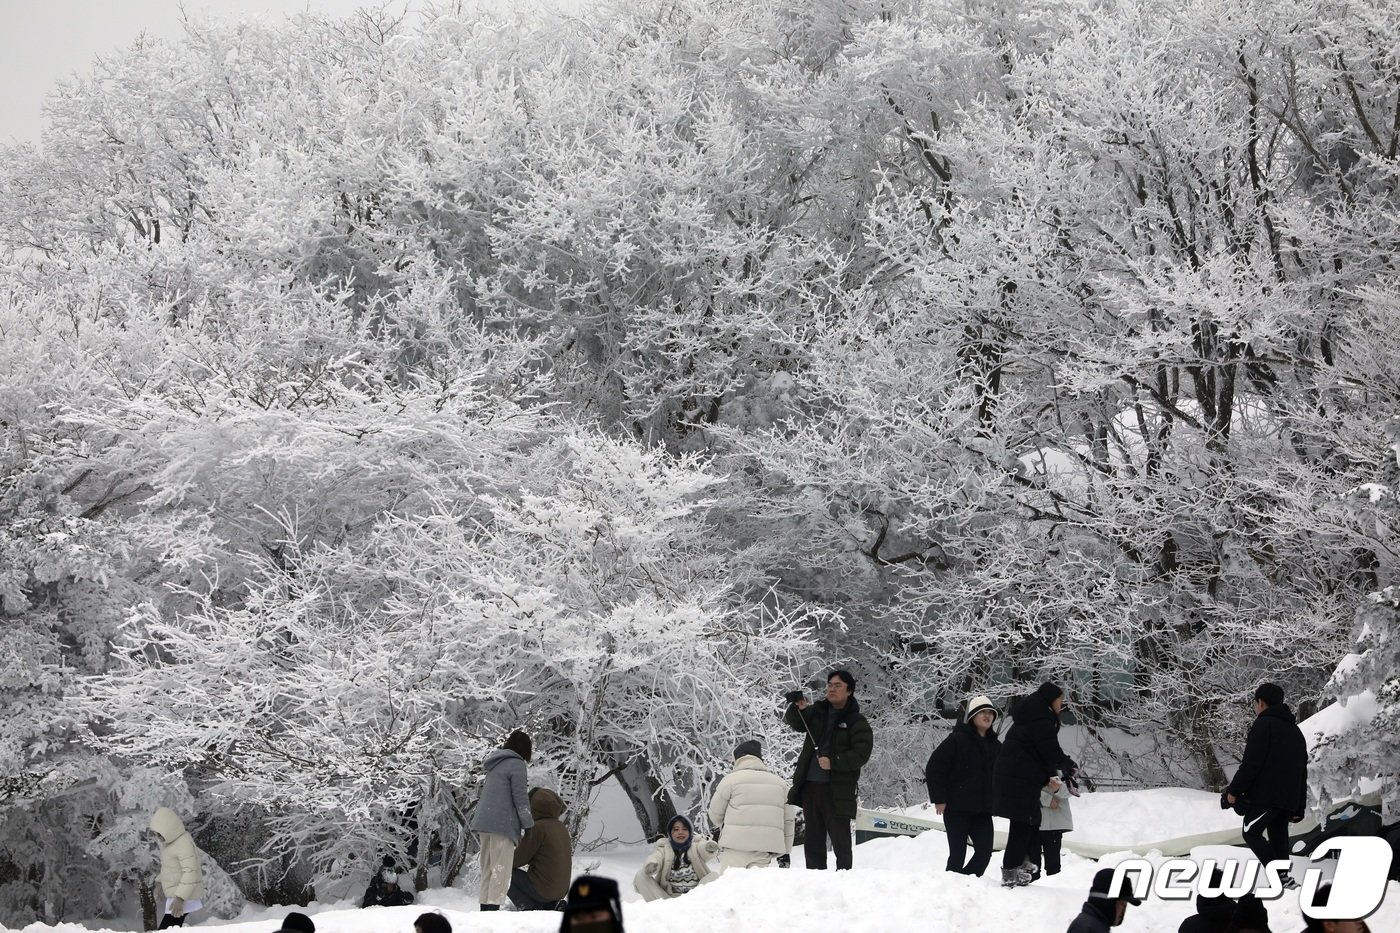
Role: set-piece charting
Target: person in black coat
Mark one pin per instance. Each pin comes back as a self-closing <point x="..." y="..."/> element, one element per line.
<point x="1031" y="758"/>
<point x="1223" y="914"/>
<point x="1271" y="785"/>
<point x="1104" y="908"/>
<point x="959" y="779"/>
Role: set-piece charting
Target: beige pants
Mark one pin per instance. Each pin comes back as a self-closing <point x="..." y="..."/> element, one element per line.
<point x="738" y="858"/>
<point x="648" y="888"/>
<point x="497" y="854"/>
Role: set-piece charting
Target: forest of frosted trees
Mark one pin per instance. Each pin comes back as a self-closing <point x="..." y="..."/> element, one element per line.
<point x="370" y="387"/>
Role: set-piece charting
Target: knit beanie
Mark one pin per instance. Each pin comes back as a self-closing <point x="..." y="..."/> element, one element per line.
<point x="980" y="704"/>
<point x="751" y="747"/>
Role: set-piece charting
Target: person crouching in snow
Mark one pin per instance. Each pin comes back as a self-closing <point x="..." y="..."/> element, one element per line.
<point x="679" y="862"/>
<point x="750" y="808"/>
<point x="384" y="890"/>
<point x="959" y="779"/>
<point x="181" y="880"/>
<point x="502" y="816"/>
<point x="1104" y="908"/>
<point x="1055" y="821"/>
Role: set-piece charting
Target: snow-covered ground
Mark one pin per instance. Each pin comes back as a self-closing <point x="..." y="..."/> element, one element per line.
<point x="898" y="884"/>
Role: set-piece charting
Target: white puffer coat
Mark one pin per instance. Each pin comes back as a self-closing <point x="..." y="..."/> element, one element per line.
<point x="181" y="874"/>
<point x="750" y="807"/>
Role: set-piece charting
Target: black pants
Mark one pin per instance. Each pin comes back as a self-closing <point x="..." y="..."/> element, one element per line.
<point x="962" y="826"/>
<point x="819" y="812"/>
<point x="169" y="921"/>
<point x="1266" y="833"/>
<point x="525" y="896"/>
<point x="1046" y="844"/>
<point x="1018" y="844"/>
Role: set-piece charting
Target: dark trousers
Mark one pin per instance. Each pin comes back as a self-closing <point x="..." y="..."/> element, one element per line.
<point x="819" y="812"/>
<point x="1018" y="844"/>
<point x="525" y="896"/>
<point x="1266" y="833"/>
<point x="961" y="827"/>
<point x="1046" y="844"/>
<point x="169" y="921"/>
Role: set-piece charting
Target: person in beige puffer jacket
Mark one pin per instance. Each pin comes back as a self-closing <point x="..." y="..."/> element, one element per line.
<point x="181" y="879"/>
<point x="751" y="811"/>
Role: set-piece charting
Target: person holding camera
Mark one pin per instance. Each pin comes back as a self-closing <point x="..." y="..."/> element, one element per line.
<point x="826" y="781"/>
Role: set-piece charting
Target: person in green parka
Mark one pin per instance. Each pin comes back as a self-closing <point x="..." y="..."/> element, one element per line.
<point x="826" y="782"/>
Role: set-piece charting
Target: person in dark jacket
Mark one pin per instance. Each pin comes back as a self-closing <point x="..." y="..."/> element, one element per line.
<point x="1104" y="908"/>
<point x="1271" y="784"/>
<point x="959" y="779"/>
<point x="826" y="781"/>
<point x="594" y="906"/>
<point x="544" y="859"/>
<point x="384" y="890"/>
<point x="1221" y="913"/>
<point x="1030" y="759"/>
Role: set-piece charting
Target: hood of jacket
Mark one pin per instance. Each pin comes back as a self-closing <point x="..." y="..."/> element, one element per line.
<point x="1034" y="708"/>
<point x="684" y="846"/>
<point x="168" y="823"/>
<point x="545" y="804"/>
<point x="499" y="756"/>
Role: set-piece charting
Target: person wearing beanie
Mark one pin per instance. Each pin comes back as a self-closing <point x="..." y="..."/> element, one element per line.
<point x="1270" y="787"/>
<point x="384" y="890"/>
<point x="502" y="816"/>
<point x="544" y="859"/>
<point x="678" y="862"/>
<point x="1221" y="913"/>
<point x="1031" y="759"/>
<point x="959" y="779"/>
<point x="297" y="923"/>
<point x="751" y="812"/>
<point x="594" y="906"/>
<point x="1104" y="908"/>
<point x="837" y="743"/>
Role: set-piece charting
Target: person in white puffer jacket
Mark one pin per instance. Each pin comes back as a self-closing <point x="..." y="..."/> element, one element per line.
<point x="751" y="811"/>
<point x="181" y="877"/>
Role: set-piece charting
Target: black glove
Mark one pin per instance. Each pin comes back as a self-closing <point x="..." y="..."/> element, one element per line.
<point x="792" y="696"/>
<point x="785" y="861"/>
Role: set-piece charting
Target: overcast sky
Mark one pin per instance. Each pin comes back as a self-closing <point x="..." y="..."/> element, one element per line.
<point x="44" y="40"/>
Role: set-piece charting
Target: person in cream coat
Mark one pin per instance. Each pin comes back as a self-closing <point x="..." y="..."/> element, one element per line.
<point x="181" y="879"/>
<point x="751" y="812"/>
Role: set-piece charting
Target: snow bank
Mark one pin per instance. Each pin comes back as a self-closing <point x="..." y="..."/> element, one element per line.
<point x="898" y="884"/>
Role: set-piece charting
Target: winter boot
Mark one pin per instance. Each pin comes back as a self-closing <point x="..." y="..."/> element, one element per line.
<point x="1014" y="878"/>
<point x="490" y="906"/>
<point x="1031" y="869"/>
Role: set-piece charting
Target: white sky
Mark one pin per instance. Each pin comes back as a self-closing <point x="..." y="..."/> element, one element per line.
<point x="44" y="40"/>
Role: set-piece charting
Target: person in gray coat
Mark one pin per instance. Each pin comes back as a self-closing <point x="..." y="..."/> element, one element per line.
<point x="502" y="816"/>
